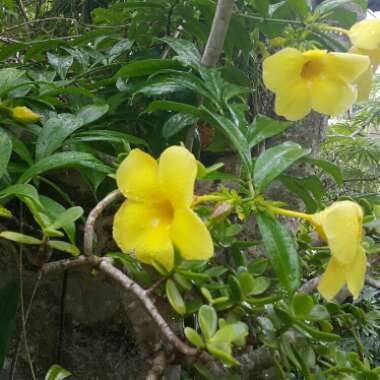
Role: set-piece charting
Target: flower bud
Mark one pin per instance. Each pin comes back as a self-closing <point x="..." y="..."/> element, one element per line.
<point x="25" y="115"/>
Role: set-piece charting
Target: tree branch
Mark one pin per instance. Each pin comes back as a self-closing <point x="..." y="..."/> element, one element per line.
<point x="90" y="223"/>
<point x="218" y="33"/>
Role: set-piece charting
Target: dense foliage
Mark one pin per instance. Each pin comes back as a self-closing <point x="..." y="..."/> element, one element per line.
<point x="100" y="79"/>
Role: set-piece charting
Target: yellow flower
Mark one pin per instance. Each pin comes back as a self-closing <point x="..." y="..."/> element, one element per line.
<point x="365" y="38"/>
<point x="366" y="34"/>
<point x="156" y="215"/>
<point x="314" y="79"/>
<point x="341" y="226"/>
<point x="25" y="115"/>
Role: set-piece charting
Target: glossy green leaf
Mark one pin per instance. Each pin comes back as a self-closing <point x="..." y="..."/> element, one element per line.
<point x="91" y="113"/>
<point x="264" y="127"/>
<point x="175" y="297"/>
<point x="9" y="295"/>
<point x="281" y="250"/>
<point x="56" y="372"/>
<point x="246" y="282"/>
<point x="8" y="79"/>
<point x="193" y="337"/>
<point x="328" y="167"/>
<point x="208" y="321"/>
<point x="222" y="351"/>
<point x="167" y="105"/>
<point x="20" y="238"/>
<point x="235" y="136"/>
<point x="60" y="64"/>
<point x="274" y="161"/>
<point x="261" y="284"/>
<point x="187" y="52"/>
<point x="177" y="123"/>
<point x="5" y="151"/>
<point x="64" y="159"/>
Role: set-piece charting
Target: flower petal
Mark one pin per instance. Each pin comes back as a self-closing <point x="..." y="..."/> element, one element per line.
<point x="332" y="96"/>
<point x="177" y="170"/>
<point x="130" y="223"/>
<point x="155" y="245"/>
<point x="345" y="65"/>
<point x="366" y="34"/>
<point x="332" y="280"/>
<point x="342" y="226"/>
<point x="364" y="85"/>
<point x="144" y="229"/>
<point x="137" y="176"/>
<point x="294" y="102"/>
<point x="356" y="273"/>
<point x="374" y="55"/>
<point x="191" y="236"/>
<point x="282" y="69"/>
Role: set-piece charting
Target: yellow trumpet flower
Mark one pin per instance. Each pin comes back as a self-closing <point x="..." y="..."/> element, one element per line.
<point x="314" y="79"/>
<point x="25" y="115"/>
<point x="340" y="225"/>
<point x="365" y="38"/>
<point x="157" y="214"/>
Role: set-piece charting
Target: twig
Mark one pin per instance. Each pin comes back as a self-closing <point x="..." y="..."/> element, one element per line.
<point x="214" y="48"/>
<point x="128" y="284"/>
<point x="155" y="286"/>
<point x="310" y="286"/>
<point x="372" y="282"/>
<point x="89" y="230"/>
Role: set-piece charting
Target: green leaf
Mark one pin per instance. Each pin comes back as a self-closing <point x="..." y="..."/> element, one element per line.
<point x="56" y="372"/>
<point x="247" y="283"/>
<point x="187" y="52"/>
<point x="281" y="250"/>
<point x="167" y="105"/>
<point x="146" y="67"/>
<point x="9" y="295"/>
<point x="64" y="159"/>
<point x="67" y="217"/>
<point x="328" y="167"/>
<point x="54" y="132"/>
<point x="176" y="124"/>
<point x="264" y="127"/>
<point x="64" y="247"/>
<point x="193" y="337"/>
<point x="5" y="151"/>
<point x="235" y="136"/>
<point x="230" y="333"/>
<point x="20" y="238"/>
<point x="22" y="191"/>
<point x="175" y="297"/>
<point x="271" y="163"/>
<point x="92" y="113"/>
<point x="222" y="351"/>
<point x="208" y="321"/>
<point x="8" y="79"/>
<point x="302" y="304"/>
<point x="315" y="333"/>
<point x="260" y="286"/>
<point x="60" y="64"/>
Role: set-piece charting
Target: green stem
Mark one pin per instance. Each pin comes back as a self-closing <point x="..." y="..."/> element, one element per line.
<point x="290" y="213"/>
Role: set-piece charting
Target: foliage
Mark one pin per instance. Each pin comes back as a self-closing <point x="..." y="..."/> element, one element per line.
<point x="129" y="74"/>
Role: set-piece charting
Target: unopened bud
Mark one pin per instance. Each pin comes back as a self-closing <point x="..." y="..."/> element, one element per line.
<point x="25" y="115"/>
<point x="221" y="209"/>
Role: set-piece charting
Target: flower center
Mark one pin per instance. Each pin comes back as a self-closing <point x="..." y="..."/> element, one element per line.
<point x="311" y="69"/>
<point x="164" y="214"/>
